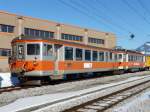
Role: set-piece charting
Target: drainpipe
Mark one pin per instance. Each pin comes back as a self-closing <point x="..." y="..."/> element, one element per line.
<point x="85" y="39"/>
<point x="20" y="26"/>
<point x="58" y="34"/>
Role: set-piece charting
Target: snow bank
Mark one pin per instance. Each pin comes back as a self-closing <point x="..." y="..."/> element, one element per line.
<point x="7" y="80"/>
<point x="140" y="104"/>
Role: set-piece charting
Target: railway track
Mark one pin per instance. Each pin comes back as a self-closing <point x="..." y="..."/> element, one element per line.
<point x="10" y="88"/>
<point x="14" y="88"/>
<point x="93" y="100"/>
<point x="104" y="103"/>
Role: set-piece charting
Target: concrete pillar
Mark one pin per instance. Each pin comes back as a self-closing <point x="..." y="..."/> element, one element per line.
<point x="58" y="32"/>
<point x="106" y="40"/>
<point x="20" y="26"/>
<point x="85" y="39"/>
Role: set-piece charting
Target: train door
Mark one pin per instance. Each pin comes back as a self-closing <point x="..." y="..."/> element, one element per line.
<point x="120" y="60"/>
<point x="21" y="51"/>
<point x="57" y="52"/>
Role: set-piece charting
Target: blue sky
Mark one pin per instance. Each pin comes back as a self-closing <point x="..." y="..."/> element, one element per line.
<point x="121" y="17"/>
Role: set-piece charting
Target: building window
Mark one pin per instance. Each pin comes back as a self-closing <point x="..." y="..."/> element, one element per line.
<point x="79" y="54"/>
<point x="5" y="52"/>
<point x="6" y="28"/>
<point x="101" y="56"/>
<point x="68" y="53"/>
<point x="87" y="55"/>
<point x="95" y="40"/>
<point x="95" y="56"/>
<point x="71" y="37"/>
<point x="38" y="33"/>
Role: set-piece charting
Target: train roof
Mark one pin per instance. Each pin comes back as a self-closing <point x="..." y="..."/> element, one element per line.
<point x="30" y="38"/>
<point x="128" y="51"/>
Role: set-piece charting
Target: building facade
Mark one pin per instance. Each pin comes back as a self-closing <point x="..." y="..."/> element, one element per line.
<point x="12" y="25"/>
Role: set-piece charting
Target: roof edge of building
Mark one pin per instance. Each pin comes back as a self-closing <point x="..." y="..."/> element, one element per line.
<point x="30" y="17"/>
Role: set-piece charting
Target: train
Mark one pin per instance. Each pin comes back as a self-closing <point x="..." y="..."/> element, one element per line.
<point x="39" y="60"/>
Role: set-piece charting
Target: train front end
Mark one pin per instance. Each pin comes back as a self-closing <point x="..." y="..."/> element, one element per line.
<point x="28" y="61"/>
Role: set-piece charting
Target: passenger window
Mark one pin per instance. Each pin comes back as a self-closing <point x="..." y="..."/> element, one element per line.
<point x="124" y="57"/>
<point x="68" y="53"/>
<point x="106" y="56"/>
<point x="48" y="50"/>
<point x="116" y="57"/>
<point x="110" y="55"/>
<point x="120" y="56"/>
<point x="33" y="49"/>
<point x="101" y="56"/>
<point x="87" y="55"/>
<point x="78" y="54"/>
<point x="95" y="56"/>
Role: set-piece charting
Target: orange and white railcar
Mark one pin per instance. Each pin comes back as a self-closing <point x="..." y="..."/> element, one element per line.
<point x="49" y="59"/>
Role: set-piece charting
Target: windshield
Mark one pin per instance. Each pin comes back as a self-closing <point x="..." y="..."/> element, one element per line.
<point x="33" y="49"/>
<point x="20" y="51"/>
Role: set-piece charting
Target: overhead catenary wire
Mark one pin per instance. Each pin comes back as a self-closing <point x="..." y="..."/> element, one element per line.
<point x="136" y="11"/>
<point x="87" y="14"/>
<point x="102" y="5"/>
<point x="144" y="7"/>
<point x="93" y="16"/>
<point x="97" y="12"/>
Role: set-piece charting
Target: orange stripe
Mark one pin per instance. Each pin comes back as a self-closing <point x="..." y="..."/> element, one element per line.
<point x="29" y="65"/>
<point x="72" y="65"/>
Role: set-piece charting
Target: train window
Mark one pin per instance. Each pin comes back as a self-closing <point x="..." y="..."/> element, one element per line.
<point x="33" y="49"/>
<point x="130" y="58"/>
<point x="106" y="56"/>
<point x="87" y="55"/>
<point x="101" y="56"/>
<point x="48" y="50"/>
<point x="124" y="57"/>
<point x="79" y="54"/>
<point x="110" y="55"/>
<point x="120" y="56"/>
<point x="95" y="56"/>
<point x="115" y="56"/>
<point x="68" y="53"/>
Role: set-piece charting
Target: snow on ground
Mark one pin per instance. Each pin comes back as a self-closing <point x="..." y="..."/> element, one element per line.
<point x="7" y="80"/>
<point x="140" y="104"/>
<point x="24" y="103"/>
